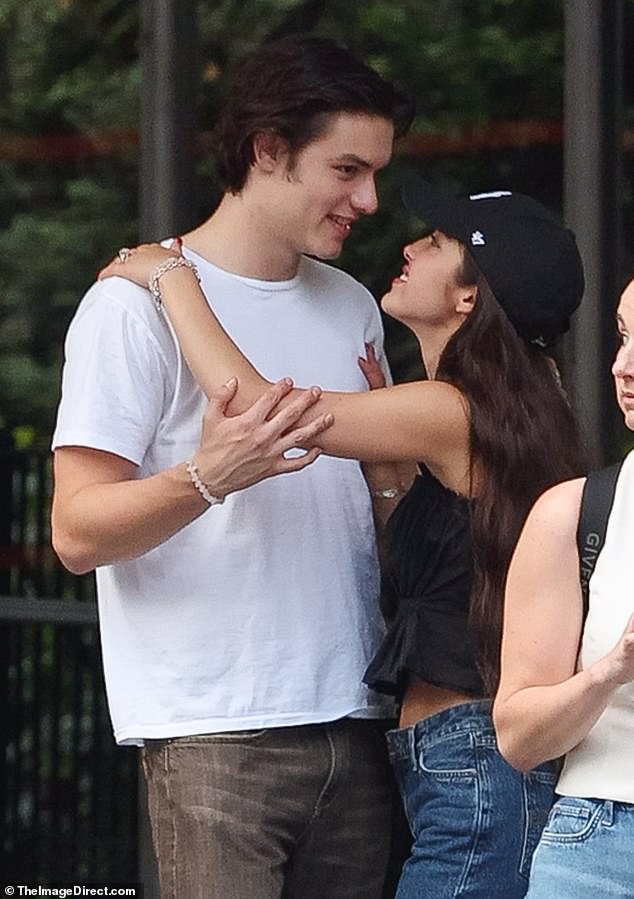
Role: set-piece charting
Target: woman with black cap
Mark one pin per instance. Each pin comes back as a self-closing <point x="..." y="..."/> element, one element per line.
<point x="489" y="287"/>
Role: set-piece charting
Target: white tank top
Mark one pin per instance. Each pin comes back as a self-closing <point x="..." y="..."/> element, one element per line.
<point x="602" y="765"/>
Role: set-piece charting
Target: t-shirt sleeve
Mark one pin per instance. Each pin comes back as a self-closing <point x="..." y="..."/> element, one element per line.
<point x="114" y="377"/>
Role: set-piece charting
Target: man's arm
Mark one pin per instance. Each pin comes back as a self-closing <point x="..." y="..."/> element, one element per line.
<point x="103" y="513"/>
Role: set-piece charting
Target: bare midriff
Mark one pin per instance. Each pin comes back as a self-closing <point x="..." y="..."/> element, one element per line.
<point x="422" y="700"/>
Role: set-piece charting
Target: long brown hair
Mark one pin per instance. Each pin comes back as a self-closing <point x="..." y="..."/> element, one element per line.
<point x="523" y="439"/>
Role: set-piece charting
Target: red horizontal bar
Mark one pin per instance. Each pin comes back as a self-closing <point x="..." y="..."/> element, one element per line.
<point x="122" y="141"/>
<point x="458" y="141"/>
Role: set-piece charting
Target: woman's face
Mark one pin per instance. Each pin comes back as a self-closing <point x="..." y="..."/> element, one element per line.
<point x="623" y="368"/>
<point x="427" y="291"/>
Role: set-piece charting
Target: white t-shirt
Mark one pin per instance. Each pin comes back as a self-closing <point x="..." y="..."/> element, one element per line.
<point x="263" y="612"/>
<point x="601" y="766"/>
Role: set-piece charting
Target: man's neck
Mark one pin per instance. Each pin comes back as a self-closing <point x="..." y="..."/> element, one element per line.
<point x="236" y="239"/>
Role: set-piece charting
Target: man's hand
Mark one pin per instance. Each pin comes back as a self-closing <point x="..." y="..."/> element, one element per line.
<point x="104" y="513"/>
<point x="238" y="451"/>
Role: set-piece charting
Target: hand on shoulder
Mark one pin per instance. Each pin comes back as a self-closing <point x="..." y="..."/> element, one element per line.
<point x="140" y="263"/>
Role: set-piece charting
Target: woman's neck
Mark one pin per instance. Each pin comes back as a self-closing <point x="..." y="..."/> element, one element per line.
<point x="432" y="345"/>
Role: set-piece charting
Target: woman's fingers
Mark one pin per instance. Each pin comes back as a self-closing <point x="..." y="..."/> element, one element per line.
<point x="138" y="263"/>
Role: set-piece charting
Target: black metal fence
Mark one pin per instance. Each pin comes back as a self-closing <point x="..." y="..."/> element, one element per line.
<point x="68" y="795"/>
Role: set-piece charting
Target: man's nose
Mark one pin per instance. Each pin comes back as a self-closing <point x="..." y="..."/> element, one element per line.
<point x="365" y="198"/>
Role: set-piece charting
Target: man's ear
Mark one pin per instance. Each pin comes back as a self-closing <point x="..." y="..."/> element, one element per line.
<point x="466" y="299"/>
<point x="269" y="149"/>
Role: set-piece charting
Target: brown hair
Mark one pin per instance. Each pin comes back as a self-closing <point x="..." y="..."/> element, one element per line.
<point x="292" y="87"/>
<point x="524" y="438"/>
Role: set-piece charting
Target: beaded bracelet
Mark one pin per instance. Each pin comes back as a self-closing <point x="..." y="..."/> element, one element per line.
<point x="201" y="487"/>
<point x="160" y="270"/>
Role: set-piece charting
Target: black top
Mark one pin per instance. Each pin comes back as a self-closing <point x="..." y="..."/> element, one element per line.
<point x="426" y="587"/>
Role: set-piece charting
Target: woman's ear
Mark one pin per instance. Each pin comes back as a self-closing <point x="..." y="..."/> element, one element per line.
<point x="268" y="150"/>
<point x="466" y="299"/>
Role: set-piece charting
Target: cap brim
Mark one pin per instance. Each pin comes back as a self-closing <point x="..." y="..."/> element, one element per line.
<point x="436" y="207"/>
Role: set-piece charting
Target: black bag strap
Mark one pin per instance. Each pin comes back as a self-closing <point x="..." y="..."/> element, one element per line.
<point x="596" y="503"/>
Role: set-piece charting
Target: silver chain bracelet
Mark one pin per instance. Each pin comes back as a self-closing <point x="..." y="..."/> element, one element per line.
<point x="160" y="270"/>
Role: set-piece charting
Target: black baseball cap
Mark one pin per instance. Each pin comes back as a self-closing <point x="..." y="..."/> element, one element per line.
<point x="525" y="252"/>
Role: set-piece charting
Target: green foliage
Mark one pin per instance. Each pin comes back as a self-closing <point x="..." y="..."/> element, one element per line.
<point x="69" y="68"/>
<point x="70" y="71"/>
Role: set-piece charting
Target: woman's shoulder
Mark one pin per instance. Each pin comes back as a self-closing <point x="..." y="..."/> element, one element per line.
<point x="556" y="511"/>
<point x="448" y="397"/>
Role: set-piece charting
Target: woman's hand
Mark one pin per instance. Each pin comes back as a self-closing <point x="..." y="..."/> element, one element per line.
<point x="140" y="263"/>
<point x="617" y="667"/>
<point x="388" y="482"/>
<point x="370" y="367"/>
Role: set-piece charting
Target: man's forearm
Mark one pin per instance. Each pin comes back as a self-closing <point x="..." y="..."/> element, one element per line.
<point x="111" y="522"/>
<point x="103" y="513"/>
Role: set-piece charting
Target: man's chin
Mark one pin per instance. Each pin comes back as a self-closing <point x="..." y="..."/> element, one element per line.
<point x="327" y="244"/>
<point x="326" y="253"/>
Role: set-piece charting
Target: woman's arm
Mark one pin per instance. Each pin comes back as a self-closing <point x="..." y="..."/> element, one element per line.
<point x="543" y="708"/>
<point x="424" y="420"/>
<point x="388" y="482"/>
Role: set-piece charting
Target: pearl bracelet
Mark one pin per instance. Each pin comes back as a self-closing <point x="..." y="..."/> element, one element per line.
<point x="201" y="487"/>
<point x="160" y="270"/>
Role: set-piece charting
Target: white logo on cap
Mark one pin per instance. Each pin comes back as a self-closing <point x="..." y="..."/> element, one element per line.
<point x="478" y="239"/>
<point x="492" y="195"/>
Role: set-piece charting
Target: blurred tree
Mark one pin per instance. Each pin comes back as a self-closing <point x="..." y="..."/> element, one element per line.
<point x="68" y="68"/>
<point x="69" y="94"/>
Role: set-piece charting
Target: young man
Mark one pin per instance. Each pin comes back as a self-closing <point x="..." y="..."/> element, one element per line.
<point x="235" y="641"/>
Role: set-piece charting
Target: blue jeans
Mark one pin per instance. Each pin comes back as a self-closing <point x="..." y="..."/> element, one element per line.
<point x="585" y="851"/>
<point x="286" y="813"/>
<point x="474" y="819"/>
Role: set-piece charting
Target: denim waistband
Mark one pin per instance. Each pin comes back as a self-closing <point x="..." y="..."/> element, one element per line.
<point x="472" y="716"/>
